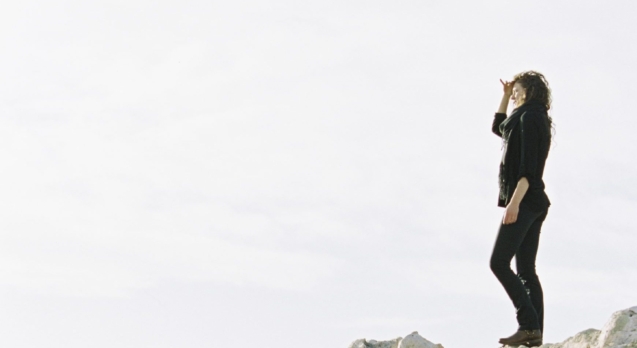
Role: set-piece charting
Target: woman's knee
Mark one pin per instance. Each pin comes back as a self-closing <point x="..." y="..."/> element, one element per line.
<point x="498" y="265"/>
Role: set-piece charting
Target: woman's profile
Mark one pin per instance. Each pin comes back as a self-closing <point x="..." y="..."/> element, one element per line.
<point x="526" y="136"/>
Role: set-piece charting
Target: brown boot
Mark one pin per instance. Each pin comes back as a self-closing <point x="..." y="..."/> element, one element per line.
<point x="529" y="338"/>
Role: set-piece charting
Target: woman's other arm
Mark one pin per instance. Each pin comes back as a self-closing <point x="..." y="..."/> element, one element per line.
<point x="512" y="209"/>
<point x="528" y="164"/>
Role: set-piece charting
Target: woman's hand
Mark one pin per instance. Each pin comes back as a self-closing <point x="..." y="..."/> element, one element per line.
<point x="510" y="214"/>
<point x="508" y="87"/>
<point x="512" y="209"/>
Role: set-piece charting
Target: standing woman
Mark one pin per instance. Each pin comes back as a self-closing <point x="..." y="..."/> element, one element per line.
<point x="526" y="135"/>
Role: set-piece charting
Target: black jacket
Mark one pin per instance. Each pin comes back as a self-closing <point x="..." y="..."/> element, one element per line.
<point x="526" y="153"/>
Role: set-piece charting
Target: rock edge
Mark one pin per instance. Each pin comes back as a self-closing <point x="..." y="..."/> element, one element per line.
<point x="619" y="332"/>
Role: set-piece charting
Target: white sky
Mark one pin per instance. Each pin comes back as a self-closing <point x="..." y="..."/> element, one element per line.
<point x="199" y="174"/>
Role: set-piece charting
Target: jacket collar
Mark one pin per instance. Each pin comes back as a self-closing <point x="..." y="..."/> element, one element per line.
<point x="507" y="125"/>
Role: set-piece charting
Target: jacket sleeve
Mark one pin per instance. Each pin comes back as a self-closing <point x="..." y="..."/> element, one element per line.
<point x="529" y="147"/>
<point x="497" y="119"/>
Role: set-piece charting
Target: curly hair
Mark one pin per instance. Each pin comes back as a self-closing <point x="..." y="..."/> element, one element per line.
<point x="536" y="88"/>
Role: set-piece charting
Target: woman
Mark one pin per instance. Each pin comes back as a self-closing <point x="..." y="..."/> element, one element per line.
<point x="526" y="136"/>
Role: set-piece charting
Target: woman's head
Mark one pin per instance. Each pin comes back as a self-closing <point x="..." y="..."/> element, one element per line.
<point x="531" y="86"/>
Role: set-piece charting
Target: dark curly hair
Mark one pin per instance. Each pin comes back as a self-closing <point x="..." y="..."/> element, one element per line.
<point x="537" y="89"/>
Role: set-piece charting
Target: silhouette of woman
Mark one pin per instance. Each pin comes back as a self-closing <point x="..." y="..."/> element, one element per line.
<point x="526" y="137"/>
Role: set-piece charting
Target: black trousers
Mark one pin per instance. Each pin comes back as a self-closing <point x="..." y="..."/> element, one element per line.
<point x="521" y="239"/>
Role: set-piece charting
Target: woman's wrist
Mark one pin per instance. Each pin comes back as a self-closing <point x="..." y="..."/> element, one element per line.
<point x="520" y="190"/>
<point x="514" y="204"/>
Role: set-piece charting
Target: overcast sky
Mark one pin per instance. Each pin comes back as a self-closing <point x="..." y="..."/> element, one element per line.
<point x="295" y="173"/>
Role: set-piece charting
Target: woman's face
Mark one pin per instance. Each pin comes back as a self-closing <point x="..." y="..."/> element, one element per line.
<point x="518" y="94"/>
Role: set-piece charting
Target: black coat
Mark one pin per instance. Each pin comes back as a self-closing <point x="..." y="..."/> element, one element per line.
<point x="526" y="153"/>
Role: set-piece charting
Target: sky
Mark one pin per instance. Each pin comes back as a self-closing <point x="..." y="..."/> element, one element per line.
<point x="296" y="173"/>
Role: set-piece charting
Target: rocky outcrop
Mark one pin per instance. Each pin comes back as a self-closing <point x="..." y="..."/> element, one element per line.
<point x="413" y="340"/>
<point x="619" y="332"/>
<point x="363" y="343"/>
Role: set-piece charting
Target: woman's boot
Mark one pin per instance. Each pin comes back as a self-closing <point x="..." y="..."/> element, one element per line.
<point x="529" y="338"/>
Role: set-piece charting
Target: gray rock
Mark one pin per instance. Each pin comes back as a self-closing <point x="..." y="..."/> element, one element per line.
<point x="619" y="332"/>
<point x="413" y="340"/>
<point x="363" y="343"/>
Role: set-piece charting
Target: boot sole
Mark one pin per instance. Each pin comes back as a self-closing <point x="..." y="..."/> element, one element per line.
<point x="532" y="343"/>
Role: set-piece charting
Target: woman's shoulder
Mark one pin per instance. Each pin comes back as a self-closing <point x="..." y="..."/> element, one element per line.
<point x="535" y="119"/>
<point x="536" y="108"/>
<point x="534" y="115"/>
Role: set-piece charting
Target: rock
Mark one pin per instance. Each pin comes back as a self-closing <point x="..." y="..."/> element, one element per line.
<point x="584" y="339"/>
<point x="413" y="340"/>
<point x="619" y="332"/>
<point x="363" y="343"/>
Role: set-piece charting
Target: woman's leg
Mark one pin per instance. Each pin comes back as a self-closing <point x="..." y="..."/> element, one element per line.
<point x="525" y="265"/>
<point x="509" y="239"/>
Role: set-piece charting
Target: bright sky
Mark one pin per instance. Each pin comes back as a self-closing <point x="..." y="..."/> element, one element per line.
<point x="294" y="173"/>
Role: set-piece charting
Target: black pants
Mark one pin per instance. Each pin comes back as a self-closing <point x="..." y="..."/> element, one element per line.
<point x="521" y="240"/>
